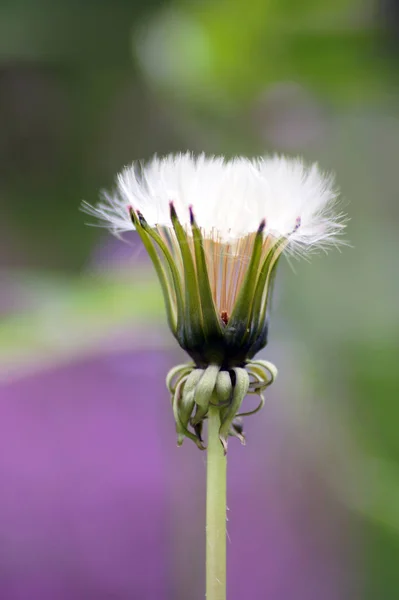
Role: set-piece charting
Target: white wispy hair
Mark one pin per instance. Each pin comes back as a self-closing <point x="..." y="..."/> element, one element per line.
<point x="229" y="198"/>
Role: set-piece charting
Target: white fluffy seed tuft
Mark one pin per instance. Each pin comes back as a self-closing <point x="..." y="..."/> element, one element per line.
<point x="229" y="198"/>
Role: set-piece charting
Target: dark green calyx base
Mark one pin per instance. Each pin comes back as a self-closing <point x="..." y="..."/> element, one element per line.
<point x="232" y="347"/>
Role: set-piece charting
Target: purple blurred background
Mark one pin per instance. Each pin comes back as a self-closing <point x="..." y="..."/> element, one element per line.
<point x="97" y="501"/>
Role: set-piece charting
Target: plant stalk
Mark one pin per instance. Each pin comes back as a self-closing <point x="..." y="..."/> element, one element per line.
<point x="215" y="511"/>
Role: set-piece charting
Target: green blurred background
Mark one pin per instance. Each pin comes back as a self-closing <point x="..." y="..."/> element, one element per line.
<point x="88" y="86"/>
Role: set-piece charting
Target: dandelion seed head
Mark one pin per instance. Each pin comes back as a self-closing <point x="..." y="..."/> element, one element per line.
<point x="229" y="198"/>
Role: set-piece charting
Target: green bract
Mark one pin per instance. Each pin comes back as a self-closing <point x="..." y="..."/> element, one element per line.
<point x="193" y="390"/>
<point x="182" y="266"/>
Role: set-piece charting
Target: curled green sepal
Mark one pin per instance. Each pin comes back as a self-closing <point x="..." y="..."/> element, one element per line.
<point x="264" y="371"/>
<point x="238" y="322"/>
<point x="185" y="408"/>
<point x="192" y="313"/>
<point x="255" y="410"/>
<point x="175" y="374"/>
<point x="223" y="387"/>
<point x="191" y="386"/>
<point x="237" y="430"/>
<point x="181" y="429"/>
<point x="160" y="271"/>
<point x="228" y="415"/>
<point x="211" y="320"/>
<point x="203" y="392"/>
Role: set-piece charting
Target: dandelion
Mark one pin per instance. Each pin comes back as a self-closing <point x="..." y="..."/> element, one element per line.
<point x="215" y="231"/>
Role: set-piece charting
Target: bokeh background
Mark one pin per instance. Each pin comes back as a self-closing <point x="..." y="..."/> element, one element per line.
<point x="96" y="501"/>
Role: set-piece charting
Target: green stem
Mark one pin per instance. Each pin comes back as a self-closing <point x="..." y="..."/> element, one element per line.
<point x="215" y="511"/>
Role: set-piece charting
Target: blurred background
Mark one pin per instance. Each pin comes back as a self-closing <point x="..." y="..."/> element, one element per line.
<point x="96" y="500"/>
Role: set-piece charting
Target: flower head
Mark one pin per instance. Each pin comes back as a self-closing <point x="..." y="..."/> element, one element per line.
<point x="215" y="230"/>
